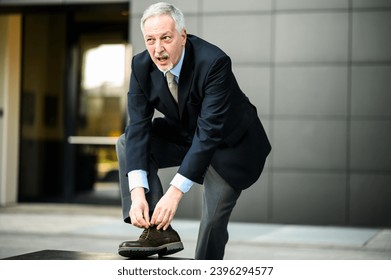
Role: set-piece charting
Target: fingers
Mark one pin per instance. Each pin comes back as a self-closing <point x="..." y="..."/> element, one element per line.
<point x="139" y="211"/>
<point x="139" y="221"/>
<point x="162" y="218"/>
<point x="139" y="217"/>
<point x="164" y="211"/>
<point x="146" y="217"/>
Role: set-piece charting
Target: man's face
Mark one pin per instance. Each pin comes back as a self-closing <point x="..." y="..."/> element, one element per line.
<point x="163" y="41"/>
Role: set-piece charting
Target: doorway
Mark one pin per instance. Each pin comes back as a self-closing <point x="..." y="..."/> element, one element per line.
<point x="100" y="115"/>
<point x="74" y="85"/>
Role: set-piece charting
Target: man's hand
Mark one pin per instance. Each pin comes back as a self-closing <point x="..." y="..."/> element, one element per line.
<point x="166" y="207"/>
<point x="139" y="211"/>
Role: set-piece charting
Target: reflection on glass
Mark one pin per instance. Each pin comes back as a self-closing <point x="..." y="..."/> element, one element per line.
<point x="103" y="88"/>
<point x="104" y="66"/>
<point x="102" y="101"/>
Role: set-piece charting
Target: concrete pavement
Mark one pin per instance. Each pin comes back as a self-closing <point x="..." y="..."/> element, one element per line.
<point x="26" y="228"/>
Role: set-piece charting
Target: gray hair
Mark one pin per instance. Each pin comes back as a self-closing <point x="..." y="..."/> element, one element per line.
<point x="163" y="8"/>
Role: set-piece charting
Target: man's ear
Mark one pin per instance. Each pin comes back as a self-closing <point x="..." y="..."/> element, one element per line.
<point x="184" y="36"/>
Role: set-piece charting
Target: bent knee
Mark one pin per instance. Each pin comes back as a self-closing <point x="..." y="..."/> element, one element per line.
<point x="120" y="144"/>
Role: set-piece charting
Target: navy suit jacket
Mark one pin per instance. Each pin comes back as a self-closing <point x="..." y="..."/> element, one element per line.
<point x="213" y="118"/>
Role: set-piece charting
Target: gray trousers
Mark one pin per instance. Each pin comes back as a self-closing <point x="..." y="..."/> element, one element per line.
<point x="218" y="200"/>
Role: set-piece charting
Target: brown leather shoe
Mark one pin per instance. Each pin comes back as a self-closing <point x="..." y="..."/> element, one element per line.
<point x="151" y="242"/>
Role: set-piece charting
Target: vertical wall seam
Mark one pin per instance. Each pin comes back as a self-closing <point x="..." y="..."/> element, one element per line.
<point x="272" y="60"/>
<point x="348" y="113"/>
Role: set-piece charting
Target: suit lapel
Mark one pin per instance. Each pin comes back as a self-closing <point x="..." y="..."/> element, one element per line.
<point x="186" y="78"/>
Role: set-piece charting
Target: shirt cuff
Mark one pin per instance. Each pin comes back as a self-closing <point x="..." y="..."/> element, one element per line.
<point x="138" y="178"/>
<point x="182" y="183"/>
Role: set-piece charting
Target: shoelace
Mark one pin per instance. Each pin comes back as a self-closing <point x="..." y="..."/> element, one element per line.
<point x="145" y="234"/>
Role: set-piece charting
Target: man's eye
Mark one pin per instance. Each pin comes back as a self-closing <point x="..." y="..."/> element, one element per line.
<point x="150" y="41"/>
<point x="166" y="38"/>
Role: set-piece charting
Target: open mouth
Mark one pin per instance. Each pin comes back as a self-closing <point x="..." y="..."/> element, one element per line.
<point x="162" y="58"/>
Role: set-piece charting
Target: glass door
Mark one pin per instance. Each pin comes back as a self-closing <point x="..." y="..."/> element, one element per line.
<point x="100" y="115"/>
<point x="98" y="69"/>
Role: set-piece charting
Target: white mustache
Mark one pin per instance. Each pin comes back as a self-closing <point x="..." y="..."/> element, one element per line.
<point x="162" y="56"/>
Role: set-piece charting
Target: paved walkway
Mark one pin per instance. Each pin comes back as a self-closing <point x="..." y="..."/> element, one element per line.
<point x="27" y="228"/>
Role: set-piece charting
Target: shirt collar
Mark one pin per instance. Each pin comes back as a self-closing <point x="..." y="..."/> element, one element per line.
<point x="176" y="70"/>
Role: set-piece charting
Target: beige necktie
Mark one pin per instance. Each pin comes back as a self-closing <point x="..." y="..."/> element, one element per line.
<point x="172" y="85"/>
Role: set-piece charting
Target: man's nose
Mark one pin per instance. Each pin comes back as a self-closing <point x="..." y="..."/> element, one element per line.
<point x="158" y="47"/>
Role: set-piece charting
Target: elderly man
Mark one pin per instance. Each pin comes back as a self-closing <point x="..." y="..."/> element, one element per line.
<point x="209" y="129"/>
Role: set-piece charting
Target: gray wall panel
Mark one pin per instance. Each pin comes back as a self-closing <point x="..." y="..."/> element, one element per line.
<point x="311" y="4"/>
<point x="309" y="144"/>
<point x="246" y="38"/>
<point x="321" y="37"/>
<point x="255" y="83"/>
<point x="371" y="3"/>
<point x="224" y="6"/>
<point x="311" y="91"/>
<point x="371" y="91"/>
<point x="370" y="199"/>
<point x="370" y="145"/>
<point x="309" y="198"/>
<point x="371" y="36"/>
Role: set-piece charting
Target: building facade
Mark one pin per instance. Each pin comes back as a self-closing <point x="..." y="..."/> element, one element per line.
<point x="318" y="71"/>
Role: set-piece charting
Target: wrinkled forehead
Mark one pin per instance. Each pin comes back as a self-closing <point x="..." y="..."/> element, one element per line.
<point x="159" y="29"/>
<point x="158" y="22"/>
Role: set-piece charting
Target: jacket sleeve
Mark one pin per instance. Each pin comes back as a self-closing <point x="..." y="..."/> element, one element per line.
<point x="214" y="112"/>
<point x="138" y="132"/>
